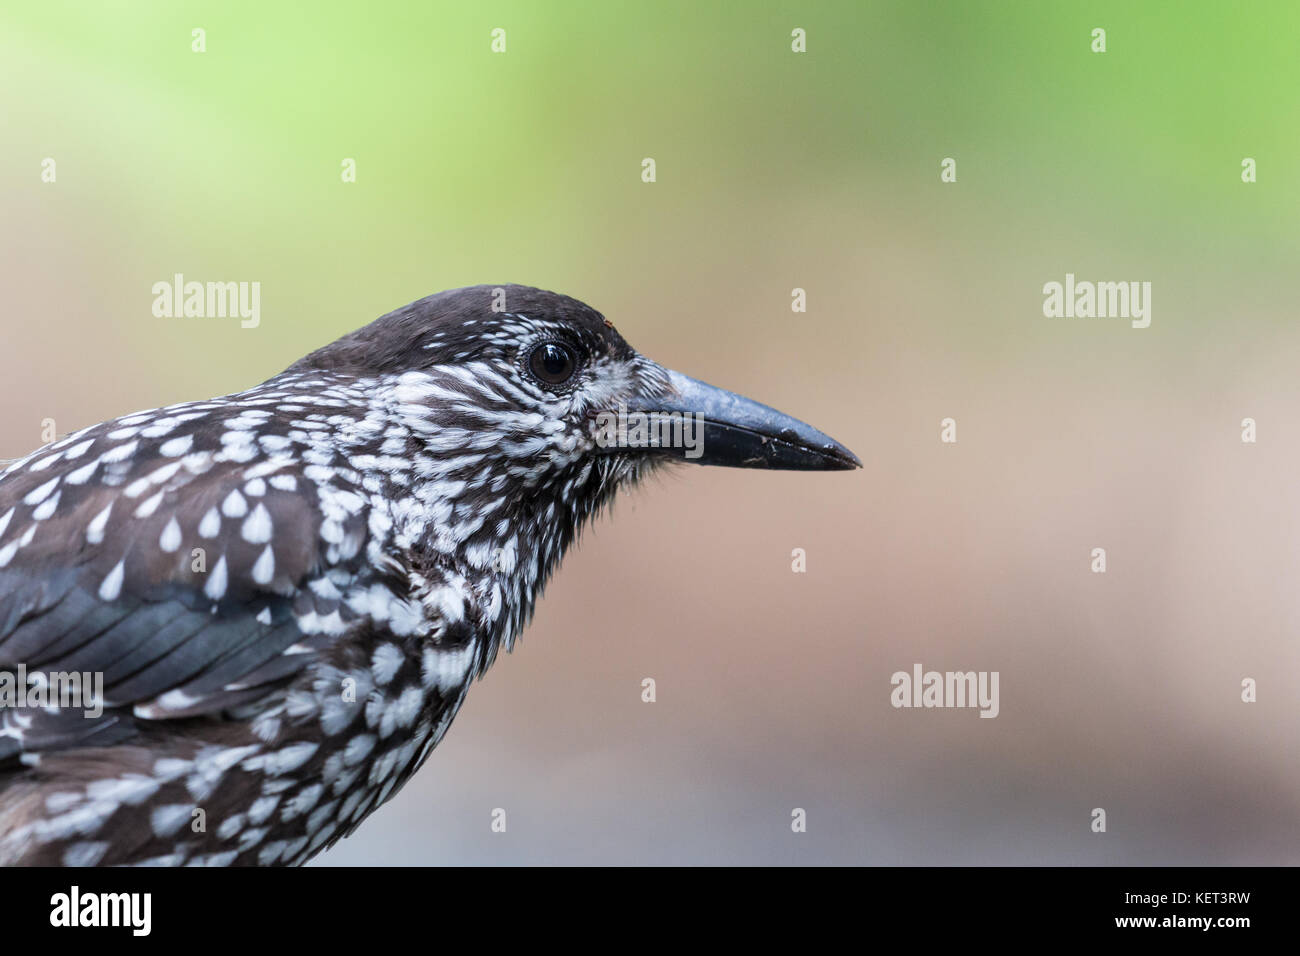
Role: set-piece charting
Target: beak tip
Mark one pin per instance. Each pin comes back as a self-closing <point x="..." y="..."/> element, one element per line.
<point x="842" y="459"/>
<point x="741" y="433"/>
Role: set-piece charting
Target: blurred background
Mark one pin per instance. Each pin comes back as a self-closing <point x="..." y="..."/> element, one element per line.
<point x="775" y="170"/>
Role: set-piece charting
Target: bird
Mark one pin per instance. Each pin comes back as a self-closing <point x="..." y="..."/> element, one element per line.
<point x="277" y="600"/>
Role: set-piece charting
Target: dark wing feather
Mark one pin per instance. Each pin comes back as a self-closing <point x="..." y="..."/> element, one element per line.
<point x="144" y="568"/>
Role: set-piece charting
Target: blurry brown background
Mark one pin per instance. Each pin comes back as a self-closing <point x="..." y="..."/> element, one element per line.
<point x="775" y="170"/>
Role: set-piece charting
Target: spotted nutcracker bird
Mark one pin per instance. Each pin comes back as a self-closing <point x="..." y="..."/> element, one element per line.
<point x="287" y="591"/>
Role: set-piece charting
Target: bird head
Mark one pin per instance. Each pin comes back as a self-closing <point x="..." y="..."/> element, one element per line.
<point x="521" y="412"/>
<point x="544" y="382"/>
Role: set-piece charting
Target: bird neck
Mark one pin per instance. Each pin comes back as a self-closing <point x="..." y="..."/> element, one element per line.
<point x="494" y="501"/>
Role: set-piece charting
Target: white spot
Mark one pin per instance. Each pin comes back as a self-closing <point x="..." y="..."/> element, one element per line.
<point x="257" y="526"/>
<point x="175" y="447"/>
<point x="79" y="449"/>
<point x="405" y="617"/>
<point x="159" y="428"/>
<point x="214" y="859"/>
<point x="149" y="505"/>
<point x="167" y="819"/>
<point x="210" y="524"/>
<point x="133" y="789"/>
<point x="111" y="586"/>
<point x="216" y="586"/>
<point x="358" y="749"/>
<point x="282" y="761"/>
<point x="160" y="475"/>
<point x="251" y="838"/>
<point x="85" y="854"/>
<point x="262" y="808"/>
<point x="407" y="708"/>
<point x="172" y="700"/>
<point x="83" y="821"/>
<point x="47" y="507"/>
<point x="267" y="726"/>
<point x="264" y="567"/>
<point x="199" y="463"/>
<point x="324" y="587"/>
<point x="119" y="453"/>
<point x="349" y="806"/>
<point x="302" y="801"/>
<point x="445" y="669"/>
<point x="230" y="827"/>
<point x="62" y="801"/>
<point x="170" y="539"/>
<point x="136" y="488"/>
<point x="37" y="495"/>
<point x="234" y="506"/>
<point x="169" y="768"/>
<point x="385" y="663"/>
<point x="82" y="474"/>
<point x="272" y="852"/>
<point x="319" y="817"/>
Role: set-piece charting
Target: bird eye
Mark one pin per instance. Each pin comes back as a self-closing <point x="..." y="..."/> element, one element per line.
<point x="553" y="363"/>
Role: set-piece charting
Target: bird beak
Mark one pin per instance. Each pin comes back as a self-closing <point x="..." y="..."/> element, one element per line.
<point x="723" y="428"/>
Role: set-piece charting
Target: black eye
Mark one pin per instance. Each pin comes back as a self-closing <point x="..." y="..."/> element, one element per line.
<point x="553" y="363"/>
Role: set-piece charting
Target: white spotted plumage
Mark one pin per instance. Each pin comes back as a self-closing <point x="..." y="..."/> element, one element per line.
<point x="365" y="534"/>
